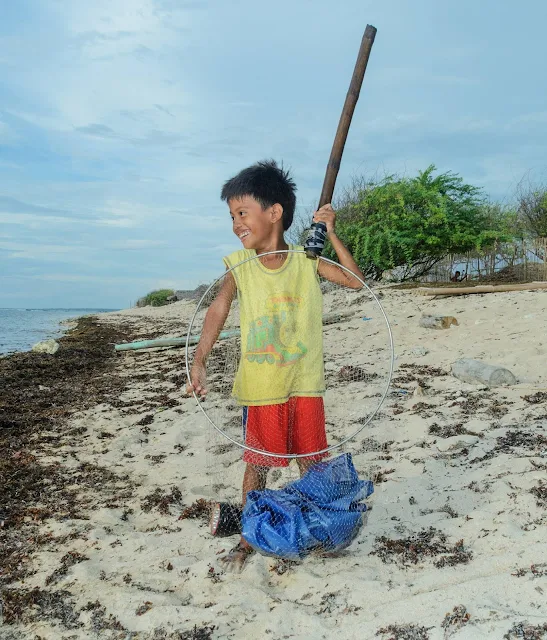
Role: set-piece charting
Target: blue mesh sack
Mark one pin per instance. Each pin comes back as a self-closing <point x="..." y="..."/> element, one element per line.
<point x="322" y="510"/>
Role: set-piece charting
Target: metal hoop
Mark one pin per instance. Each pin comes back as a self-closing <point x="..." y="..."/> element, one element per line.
<point x="290" y="456"/>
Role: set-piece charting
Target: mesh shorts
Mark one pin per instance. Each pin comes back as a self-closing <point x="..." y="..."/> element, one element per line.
<point x="296" y="426"/>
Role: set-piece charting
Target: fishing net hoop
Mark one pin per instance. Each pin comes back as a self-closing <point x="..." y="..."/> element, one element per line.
<point x="362" y="425"/>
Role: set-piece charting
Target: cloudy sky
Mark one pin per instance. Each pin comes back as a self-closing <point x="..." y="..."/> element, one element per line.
<point x="121" y="119"/>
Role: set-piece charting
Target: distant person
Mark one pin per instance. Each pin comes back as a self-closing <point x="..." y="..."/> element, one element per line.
<point x="457" y="277"/>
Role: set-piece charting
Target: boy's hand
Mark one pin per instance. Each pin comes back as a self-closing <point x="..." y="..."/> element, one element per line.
<point x="327" y="215"/>
<point x="198" y="380"/>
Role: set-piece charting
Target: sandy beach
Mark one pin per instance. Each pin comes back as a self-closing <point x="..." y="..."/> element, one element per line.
<point x="455" y="543"/>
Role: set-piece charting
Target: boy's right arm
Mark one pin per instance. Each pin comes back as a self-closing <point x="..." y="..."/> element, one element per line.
<point x="214" y="321"/>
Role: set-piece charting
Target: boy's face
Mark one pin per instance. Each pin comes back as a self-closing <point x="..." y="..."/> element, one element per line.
<point x="252" y="224"/>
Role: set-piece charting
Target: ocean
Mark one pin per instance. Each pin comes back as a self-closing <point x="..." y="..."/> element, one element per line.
<point x="20" y="329"/>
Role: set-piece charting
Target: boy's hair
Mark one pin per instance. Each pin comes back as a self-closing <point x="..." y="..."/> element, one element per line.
<point x="268" y="184"/>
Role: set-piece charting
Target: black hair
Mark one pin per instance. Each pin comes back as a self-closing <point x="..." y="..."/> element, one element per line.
<point x="268" y="184"/>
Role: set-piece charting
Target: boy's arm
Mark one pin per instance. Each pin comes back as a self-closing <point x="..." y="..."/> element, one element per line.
<point x="214" y="321"/>
<point x="330" y="271"/>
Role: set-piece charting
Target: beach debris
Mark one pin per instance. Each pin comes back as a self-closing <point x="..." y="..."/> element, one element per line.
<point x="283" y="565"/>
<point x="419" y="391"/>
<point x="526" y="631"/>
<point x="68" y="560"/>
<point x="531" y="441"/>
<point x="536" y="398"/>
<point x="350" y="373"/>
<point x="336" y="316"/>
<point x="100" y="621"/>
<point x="197" y="633"/>
<point x="457" y="442"/>
<point x="328" y="318"/>
<point x="437" y="322"/>
<point x="535" y="571"/>
<point x="419" y="352"/>
<point x="417" y="547"/>
<point x="540" y="493"/>
<point x="404" y="632"/>
<point x="46" y="346"/>
<point x="201" y="509"/>
<point x="477" y="372"/>
<point x="33" y="605"/>
<point x="161" y="500"/>
<point x="487" y="288"/>
<point x="456" y="620"/>
<point x="143" y="608"/>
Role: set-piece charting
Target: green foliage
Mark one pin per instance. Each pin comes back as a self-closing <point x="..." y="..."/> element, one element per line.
<point x="413" y="223"/>
<point x="157" y="298"/>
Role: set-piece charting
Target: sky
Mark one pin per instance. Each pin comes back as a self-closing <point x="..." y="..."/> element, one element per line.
<point x="121" y="119"/>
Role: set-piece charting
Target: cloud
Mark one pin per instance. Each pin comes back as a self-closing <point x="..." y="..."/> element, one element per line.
<point x="151" y="138"/>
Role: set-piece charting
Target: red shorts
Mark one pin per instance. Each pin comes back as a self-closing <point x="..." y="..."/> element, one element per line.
<point x="296" y="426"/>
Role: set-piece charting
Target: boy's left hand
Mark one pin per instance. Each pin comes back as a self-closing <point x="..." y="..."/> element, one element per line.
<point x="327" y="215"/>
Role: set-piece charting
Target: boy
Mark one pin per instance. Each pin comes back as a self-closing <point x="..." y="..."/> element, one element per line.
<point x="280" y="380"/>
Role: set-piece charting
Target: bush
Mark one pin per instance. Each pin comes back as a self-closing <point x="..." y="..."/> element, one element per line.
<point x="156" y="298"/>
<point x="532" y="206"/>
<point x="410" y="224"/>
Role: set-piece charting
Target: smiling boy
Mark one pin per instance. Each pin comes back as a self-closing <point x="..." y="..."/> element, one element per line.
<point x="280" y="380"/>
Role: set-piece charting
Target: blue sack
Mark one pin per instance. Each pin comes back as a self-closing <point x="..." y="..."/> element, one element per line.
<point x="321" y="510"/>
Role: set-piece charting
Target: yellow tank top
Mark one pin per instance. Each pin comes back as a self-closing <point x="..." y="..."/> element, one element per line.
<point x="281" y="329"/>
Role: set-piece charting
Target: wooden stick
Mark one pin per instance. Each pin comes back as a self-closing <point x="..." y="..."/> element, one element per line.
<point x="347" y="113"/>
<point x="462" y="291"/>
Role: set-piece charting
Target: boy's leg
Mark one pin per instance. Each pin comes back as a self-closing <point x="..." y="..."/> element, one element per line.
<point x="307" y="419"/>
<point x="304" y="464"/>
<point x="265" y="428"/>
<point x="254" y="479"/>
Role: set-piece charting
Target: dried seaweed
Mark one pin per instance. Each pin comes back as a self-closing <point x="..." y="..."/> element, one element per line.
<point x="455" y="620"/>
<point x="536" y="398"/>
<point x="419" y="547"/>
<point x="161" y="500"/>
<point x="201" y="509"/>
<point x="404" y="632"/>
<point x="540" y="493"/>
<point x="68" y="560"/>
<point x="39" y="393"/>
<point x="526" y="631"/>
<point x="29" y="605"/>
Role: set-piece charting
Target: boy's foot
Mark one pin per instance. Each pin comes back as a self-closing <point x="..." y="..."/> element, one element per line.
<point x="235" y="560"/>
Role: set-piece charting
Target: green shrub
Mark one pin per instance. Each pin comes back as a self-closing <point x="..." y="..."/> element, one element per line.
<point x="410" y="224"/>
<point x="157" y="298"/>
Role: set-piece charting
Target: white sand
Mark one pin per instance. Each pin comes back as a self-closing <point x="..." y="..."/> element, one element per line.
<point x="151" y="558"/>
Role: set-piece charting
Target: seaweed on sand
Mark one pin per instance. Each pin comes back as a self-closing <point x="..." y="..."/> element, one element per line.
<point x="39" y="393"/>
<point x="27" y="605"/>
<point x="404" y="632"/>
<point x="161" y="500"/>
<point x="421" y="546"/>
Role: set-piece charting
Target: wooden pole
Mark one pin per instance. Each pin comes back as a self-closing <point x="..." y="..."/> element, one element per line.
<point x="352" y="96"/>
<point x="487" y="288"/>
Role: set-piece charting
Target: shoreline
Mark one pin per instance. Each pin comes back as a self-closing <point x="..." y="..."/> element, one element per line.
<point x="103" y="552"/>
<point x="54" y="329"/>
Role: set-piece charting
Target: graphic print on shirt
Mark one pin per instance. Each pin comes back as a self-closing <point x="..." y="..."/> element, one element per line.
<point x="272" y="337"/>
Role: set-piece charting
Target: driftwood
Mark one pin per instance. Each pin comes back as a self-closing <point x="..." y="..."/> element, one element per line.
<point x="487" y="288"/>
<point x="437" y="322"/>
<point x="328" y="318"/>
<point x="477" y="372"/>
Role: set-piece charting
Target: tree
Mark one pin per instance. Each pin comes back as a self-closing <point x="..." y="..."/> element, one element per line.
<point x="532" y="207"/>
<point x="410" y="224"/>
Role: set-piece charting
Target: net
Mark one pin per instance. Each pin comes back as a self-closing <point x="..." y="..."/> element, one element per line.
<point x="299" y="370"/>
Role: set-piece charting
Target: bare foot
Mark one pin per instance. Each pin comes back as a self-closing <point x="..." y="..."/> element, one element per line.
<point x="234" y="561"/>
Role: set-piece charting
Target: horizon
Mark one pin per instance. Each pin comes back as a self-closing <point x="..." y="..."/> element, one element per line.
<point x="114" y="146"/>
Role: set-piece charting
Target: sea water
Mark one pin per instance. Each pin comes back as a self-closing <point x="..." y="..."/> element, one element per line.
<point x="20" y="329"/>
